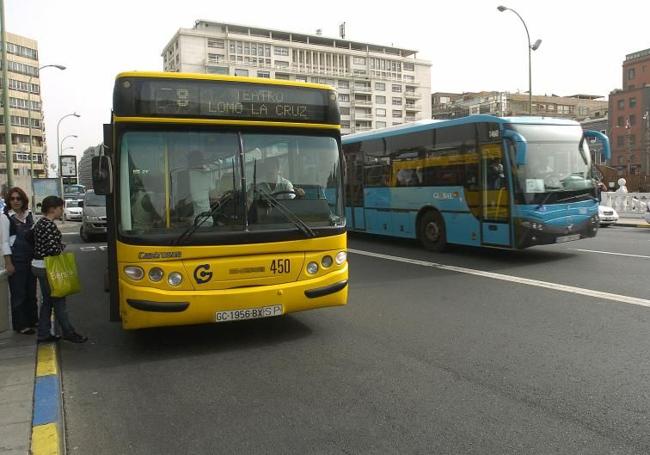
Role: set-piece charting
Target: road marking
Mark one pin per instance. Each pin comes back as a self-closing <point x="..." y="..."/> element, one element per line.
<point x="513" y="279"/>
<point x="85" y="249"/>
<point x="613" y="254"/>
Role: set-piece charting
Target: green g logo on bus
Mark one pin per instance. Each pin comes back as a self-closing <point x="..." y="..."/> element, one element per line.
<point x="202" y="274"/>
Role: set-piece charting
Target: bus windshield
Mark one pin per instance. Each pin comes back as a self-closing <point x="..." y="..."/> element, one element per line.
<point x="558" y="160"/>
<point x="172" y="181"/>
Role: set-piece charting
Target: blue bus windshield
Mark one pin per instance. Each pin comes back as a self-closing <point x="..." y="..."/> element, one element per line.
<point x="558" y="160"/>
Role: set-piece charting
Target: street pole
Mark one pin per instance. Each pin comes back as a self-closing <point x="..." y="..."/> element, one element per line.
<point x="5" y="100"/>
<point x="58" y="147"/>
<point x="531" y="47"/>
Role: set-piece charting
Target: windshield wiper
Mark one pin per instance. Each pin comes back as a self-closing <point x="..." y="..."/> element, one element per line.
<point x="576" y="197"/>
<point x="295" y="219"/>
<point x="204" y="216"/>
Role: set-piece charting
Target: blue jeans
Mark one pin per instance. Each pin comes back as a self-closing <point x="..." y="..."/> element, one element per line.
<point x="24" y="311"/>
<point x="51" y="303"/>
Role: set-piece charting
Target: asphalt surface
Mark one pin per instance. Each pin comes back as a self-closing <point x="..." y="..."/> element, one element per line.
<point x="423" y="359"/>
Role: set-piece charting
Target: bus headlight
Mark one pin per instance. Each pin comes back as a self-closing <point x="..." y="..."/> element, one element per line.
<point x="312" y="268"/>
<point x="156" y="274"/>
<point x="134" y="272"/>
<point x="327" y="261"/>
<point x="341" y="257"/>
<point x="174" y="279"/>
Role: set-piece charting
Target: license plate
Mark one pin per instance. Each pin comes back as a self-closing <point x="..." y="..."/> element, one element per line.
<point x="567" y="238"/>
<point x="249" y="313"/>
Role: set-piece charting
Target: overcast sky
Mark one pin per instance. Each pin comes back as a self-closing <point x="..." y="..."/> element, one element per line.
<point x="471" y="45"/>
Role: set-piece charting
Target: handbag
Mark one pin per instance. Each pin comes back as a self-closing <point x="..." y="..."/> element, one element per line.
<point x="62" y="275"/>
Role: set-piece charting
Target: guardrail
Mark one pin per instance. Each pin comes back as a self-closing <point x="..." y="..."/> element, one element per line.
<point x="627" y="204"/>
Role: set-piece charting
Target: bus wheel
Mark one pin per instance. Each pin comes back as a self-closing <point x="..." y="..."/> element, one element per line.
<point x="431" y="231"/>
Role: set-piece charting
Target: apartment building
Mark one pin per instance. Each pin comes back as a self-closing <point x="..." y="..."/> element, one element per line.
<point x="505" y="104"/>
<point x="629" y="119"/>
<point x="24" y="102"/>
<point x="377" y="85"/>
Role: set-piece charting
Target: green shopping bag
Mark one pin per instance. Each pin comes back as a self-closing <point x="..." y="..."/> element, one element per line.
<point x="62" y="275"/>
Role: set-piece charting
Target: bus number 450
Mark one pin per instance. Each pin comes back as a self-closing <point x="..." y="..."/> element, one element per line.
<point x="280" y="266"/>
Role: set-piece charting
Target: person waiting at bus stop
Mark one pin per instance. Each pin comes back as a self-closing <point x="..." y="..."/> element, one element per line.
<point x="47" y="242"/>
<point x="16" y="223"/>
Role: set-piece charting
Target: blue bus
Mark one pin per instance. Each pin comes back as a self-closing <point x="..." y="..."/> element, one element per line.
<point x="480" y="180"/>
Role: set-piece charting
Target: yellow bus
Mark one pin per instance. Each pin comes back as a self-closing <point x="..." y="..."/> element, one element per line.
<point x="224" y="199"/>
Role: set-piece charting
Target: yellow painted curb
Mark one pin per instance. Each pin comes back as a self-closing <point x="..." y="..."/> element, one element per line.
<point x="46" y="364"/>
<point x="45" y="440"/>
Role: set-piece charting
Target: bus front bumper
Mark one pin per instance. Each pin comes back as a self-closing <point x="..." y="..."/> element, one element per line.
<point x="530" y="233"/>
<point x="142" y="307"/>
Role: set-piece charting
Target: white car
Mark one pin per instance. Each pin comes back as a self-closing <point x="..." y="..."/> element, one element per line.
<point x="72" y="210"/>
<point x="607" y="215"/>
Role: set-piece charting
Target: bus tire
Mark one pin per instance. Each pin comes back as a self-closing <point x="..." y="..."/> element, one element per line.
<point x="432" y="232"/>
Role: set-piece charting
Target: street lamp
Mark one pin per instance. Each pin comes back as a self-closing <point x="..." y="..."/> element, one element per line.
<point x="58" y="145"/>
<point x="63" y="140"/>
<point x="531" y="47"/>
<point x="29" y="113"/>
<point x="70" y="147"/>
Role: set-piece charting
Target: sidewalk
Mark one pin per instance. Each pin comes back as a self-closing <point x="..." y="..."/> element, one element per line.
<point x="632" y="222"/>
<point x="17" y="371"/>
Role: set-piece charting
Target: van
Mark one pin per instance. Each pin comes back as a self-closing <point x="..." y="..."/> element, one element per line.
<point x="93" y="221"/>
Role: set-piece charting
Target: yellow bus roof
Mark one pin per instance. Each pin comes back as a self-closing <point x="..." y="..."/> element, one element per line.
<point x="220" y="77"/>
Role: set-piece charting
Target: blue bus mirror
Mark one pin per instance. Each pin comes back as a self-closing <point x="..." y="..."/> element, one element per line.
<point x="521" y="146"/>
<point x="604" y="140"/>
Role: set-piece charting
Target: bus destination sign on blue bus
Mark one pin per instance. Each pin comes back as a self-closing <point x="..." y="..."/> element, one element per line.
<point x="223" y="100"/>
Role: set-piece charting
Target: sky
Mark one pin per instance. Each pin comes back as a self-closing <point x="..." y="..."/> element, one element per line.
<point x="471" y="45"/>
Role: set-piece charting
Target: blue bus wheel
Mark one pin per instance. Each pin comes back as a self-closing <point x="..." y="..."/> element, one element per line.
<point x="431" y="231"/>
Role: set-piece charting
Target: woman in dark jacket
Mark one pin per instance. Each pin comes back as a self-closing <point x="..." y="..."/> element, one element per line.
<point x="15" y="225"/>
<point x="47" y="242"/>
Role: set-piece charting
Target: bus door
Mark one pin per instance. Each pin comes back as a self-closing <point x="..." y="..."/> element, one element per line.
<point x="354" y="201"/>
<point x="495" y="198"/>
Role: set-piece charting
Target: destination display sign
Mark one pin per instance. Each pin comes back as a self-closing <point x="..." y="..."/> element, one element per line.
<point x="224" y="100"/>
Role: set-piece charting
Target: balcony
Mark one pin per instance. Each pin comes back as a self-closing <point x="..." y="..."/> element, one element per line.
<point x="363" y="115"/>
<point x="410" y="118"/>
<point x="412" y="107"/>
<point x="362" y="89"/>
<point x="358" y="102"/>
<point x="412" y="95"/>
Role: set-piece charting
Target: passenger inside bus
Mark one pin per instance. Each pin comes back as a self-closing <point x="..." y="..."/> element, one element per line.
<point x="144" y="214"/>
<point x="270" y="181"/>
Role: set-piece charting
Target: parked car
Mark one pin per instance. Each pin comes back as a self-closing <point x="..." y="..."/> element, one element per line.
<point x="607" y="215"/>
<point x="93" y="222"/>
<point x="72" y="210"/>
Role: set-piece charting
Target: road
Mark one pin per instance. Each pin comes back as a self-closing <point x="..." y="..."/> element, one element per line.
<point x="470" y="351"/>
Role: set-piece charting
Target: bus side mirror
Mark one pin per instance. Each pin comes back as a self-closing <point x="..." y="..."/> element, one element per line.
<point x="604" y="140"/>
<point x="102" y="172"/>
<point x="520" y="144"/>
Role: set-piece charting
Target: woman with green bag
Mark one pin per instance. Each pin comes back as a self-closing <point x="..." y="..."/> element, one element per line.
<point x="47" y="243"/>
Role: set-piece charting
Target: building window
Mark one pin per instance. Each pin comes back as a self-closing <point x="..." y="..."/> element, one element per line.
<point x="216" y="43"/>
<point x="304" y="79"/>
<point x="397" y="88"/>
<point x="620" y="141"/>
<point x="280" y="50"/>
<point x="240" y="72"/>
<point x="397" y="114"/>
<point x="215" y="58"/>
<point x="409" y="78"/>
<point x="408" y="66"/>
<point x="359" y="60"/>
<point x="633" y="102"/>
<point x="218" y="70"/>
<point x="380" y="112"/>
<point x="380" y="124"/>
<point x="619" y="121"/>
<point x="345" y="124"/>
<point x="345" y="110"/>
<point x="621" y="104"/>
<point x="632" y="120"/>
<point x="396" y="101"/>
<point x="282" y="76"/>
<point x="380" y="86"/>
<point x="344" y="97"/>
<point x="344" y="84"/>
<point x="281" y="64"/>
<point x="630" y="74"/>
<point x="265" y="74"/>
<point x="632" y="139"/>
<point x="380" y="99"/>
